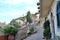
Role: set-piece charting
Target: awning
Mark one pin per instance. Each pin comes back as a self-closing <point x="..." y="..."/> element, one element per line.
<point x="45" y="6"/>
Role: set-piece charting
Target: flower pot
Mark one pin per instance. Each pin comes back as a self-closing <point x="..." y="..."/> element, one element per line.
<point x="11" y="37"/>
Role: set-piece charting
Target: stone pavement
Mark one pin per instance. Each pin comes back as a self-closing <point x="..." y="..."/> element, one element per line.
<point x="38" y="35"/>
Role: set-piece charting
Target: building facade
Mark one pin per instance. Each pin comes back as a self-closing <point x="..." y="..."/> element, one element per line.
<point x="56" y="14"/>
<point x="51" y="10"/>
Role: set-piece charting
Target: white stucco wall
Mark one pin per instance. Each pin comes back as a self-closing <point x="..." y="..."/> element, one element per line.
<point x="53" y="10"/>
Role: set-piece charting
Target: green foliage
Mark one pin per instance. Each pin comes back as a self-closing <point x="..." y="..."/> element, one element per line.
<point x="10" y="30"/>
<point x="17" y="25"/>
<point x="47" y="32"/>
<point x="47" y="24"/>
<point x="14" y="23"/>
<point x="29" y="17"/>
<point x="31" y="30"/>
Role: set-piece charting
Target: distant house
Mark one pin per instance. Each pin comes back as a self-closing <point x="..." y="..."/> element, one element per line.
<point x="36" y="18"/>
<point x="2" y="24"/>
<point x="19" y="21"/>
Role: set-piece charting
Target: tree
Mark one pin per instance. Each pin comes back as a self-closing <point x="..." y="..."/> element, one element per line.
<point x="9" y="29"/>
<point x="47" y="32"/>
<point x="29" y="17"/>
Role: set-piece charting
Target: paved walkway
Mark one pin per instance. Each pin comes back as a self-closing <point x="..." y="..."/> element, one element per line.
<point x="38" y="35"/>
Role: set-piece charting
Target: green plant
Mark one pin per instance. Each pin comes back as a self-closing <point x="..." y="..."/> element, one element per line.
<point x="10" y="30"/>
<point x="15" y="24"/>
<point x="29" y="17"/>
<point x="47" y="32"/>
<point x="31" y="30"/>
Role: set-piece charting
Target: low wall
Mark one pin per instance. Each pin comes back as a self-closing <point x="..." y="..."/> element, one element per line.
<point x="4" y="37"/>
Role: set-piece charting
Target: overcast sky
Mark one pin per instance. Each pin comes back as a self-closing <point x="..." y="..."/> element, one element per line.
<point x="10" y="9"/>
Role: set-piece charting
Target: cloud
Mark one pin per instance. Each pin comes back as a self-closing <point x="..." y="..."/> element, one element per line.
<point x="13" y="13"/>
<point x="8" y="16"/>
<point x="18" y="1"/>
<point x="32" y="9"/>
<point x="18" y="12"/>
<point x="10" y="9"/>
<point x="13" y="1"/>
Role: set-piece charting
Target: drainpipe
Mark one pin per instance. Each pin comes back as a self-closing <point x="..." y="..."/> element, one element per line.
<point x="53" y="28"/>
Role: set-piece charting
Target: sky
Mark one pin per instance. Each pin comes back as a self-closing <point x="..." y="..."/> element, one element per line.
<point x="11" y="9"/>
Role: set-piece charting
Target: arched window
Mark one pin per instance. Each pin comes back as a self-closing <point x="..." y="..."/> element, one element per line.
<point x="58" y="14"/>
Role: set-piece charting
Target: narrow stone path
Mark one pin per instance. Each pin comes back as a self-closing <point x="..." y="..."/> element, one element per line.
<point x="38" y="35"/>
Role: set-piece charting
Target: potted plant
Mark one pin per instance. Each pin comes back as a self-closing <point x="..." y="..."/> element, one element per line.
<point x="47" y="32"/>
<point x="10" y="31"/>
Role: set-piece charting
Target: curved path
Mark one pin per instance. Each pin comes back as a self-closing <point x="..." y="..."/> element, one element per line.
<point x="38" y="35"/>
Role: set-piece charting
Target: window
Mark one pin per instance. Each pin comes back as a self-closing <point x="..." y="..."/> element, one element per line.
<point x="58" y="14"/>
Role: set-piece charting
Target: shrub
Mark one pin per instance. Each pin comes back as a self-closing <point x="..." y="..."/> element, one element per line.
<point x="47" y="32"/>
<point x="10" y="30"/>
<point x="31" y="30"/>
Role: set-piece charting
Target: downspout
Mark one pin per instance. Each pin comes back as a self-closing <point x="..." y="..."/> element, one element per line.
<point x="53" y="28"/>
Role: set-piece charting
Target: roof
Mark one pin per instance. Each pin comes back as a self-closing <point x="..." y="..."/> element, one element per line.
<point x="2" y="24"/>
<point x="45" y="7"/>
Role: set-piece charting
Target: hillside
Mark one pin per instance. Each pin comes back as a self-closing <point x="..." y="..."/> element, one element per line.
<point x="22" y="20"/>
